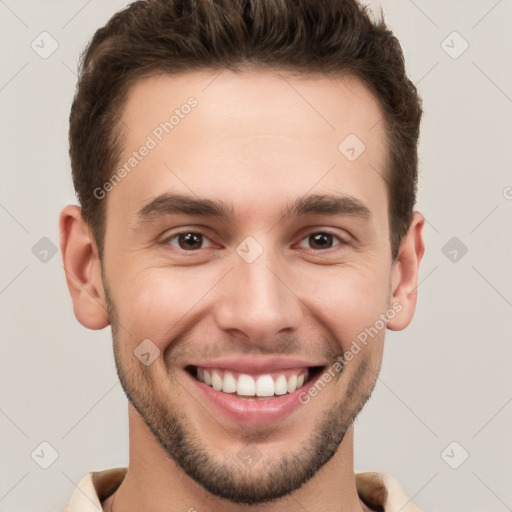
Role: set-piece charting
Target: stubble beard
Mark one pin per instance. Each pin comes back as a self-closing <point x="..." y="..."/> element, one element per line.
<point x="270" y="478"/>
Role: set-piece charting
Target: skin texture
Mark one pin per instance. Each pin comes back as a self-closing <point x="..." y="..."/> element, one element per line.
<point x="258" y="141"/>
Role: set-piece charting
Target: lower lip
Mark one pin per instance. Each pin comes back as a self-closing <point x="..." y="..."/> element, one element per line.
<point x="251" y="412"/>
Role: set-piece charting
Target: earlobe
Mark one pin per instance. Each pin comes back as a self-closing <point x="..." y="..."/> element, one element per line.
<point x="404" y="278"/>
<point x="83" y="269"/>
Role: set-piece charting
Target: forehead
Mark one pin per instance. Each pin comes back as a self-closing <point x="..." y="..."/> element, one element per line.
<point x="254" y="135"/>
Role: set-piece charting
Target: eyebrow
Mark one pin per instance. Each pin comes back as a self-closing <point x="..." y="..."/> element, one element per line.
<point x="168" y="204"/>
<point x="327" y="205"/>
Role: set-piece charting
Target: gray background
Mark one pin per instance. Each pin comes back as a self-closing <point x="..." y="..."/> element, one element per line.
<point x="445" y="379"/>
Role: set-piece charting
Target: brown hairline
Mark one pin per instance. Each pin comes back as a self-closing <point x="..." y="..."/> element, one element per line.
<point x="107" y="145"/>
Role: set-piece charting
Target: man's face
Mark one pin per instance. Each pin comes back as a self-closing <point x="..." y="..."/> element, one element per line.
<point x="275" y="275"/>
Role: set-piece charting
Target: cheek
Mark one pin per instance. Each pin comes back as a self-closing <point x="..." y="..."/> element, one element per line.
<point x="158" y="303"/>
<point x="348" y="301"/>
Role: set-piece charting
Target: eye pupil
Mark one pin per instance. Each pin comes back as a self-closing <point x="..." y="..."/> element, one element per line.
<point x="321" y="240"/>
<point x="190" y="241"/>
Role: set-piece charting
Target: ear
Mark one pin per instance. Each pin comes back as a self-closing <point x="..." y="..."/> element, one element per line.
<point x="404" y="275"/>
<point x="83" y="269"/>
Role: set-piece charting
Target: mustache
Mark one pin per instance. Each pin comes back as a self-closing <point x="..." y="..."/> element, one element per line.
<point x="182" y="348"/>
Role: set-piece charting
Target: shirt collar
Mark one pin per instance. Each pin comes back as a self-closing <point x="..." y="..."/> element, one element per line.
<point x="377" y="490"/>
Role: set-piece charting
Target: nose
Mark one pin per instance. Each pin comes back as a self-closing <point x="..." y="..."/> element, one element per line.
<point x="257" y="302"/>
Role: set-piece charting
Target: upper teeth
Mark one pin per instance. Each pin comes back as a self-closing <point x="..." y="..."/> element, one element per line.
<point x="247" y="385"/>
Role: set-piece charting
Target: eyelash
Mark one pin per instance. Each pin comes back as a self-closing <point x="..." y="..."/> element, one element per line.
<point x="167" y="241"/>
<point x="340" y="240"/>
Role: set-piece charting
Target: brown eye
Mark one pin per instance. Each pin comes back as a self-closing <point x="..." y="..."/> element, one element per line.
<point x="188" y="241"/>
<point x="320" y="241"/>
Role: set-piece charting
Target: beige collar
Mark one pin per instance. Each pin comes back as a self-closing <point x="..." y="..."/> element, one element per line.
<point x="377" y="490"/>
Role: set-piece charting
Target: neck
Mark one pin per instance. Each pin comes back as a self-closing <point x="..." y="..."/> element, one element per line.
<point x="155" y="483"/>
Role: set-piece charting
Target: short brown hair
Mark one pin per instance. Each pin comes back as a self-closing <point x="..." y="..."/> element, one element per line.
<point x="332" y="37"/>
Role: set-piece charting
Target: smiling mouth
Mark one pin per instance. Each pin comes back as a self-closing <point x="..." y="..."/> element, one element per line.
<point x="263" y="386"/>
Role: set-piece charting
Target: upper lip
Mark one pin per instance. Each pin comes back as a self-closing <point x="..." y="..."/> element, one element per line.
<point x="255" y="365"/>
